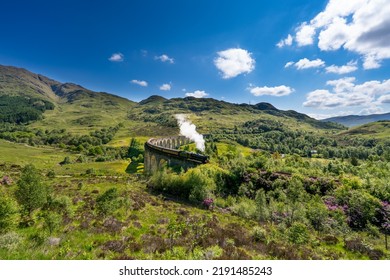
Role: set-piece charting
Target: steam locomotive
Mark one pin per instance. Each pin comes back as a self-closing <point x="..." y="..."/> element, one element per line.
<point x="179" y="154"/>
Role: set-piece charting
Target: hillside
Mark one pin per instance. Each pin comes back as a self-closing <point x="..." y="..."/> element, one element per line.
<point x="210" y="114"/>
<point x="376" y="130"/>
<point x="74" y="107"/>
<point x="355" y="120"/>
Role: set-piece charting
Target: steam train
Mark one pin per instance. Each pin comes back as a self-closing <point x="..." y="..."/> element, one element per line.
<point x="179" y="154"/>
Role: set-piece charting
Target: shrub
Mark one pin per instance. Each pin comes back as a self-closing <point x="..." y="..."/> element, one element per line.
<point x="10" y="241"/>
<point x="298" y="233"/>
<point x="317" y="214"/>
<point x="200" y="184"/>
<point x="51" y="174"/>
<point x="31" y="192"/>
<point x="61" y="204"/>
<point x="52" y="221"/>
<point x="262" y="206"/>
<point x="362" y="208"/>
<point x="108" y="202"/>
<point x="245" y="208"/>
<point x="259" y="234"/>
<point x="8" y="213"/>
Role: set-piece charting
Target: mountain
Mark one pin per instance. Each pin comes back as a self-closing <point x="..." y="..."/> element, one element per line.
<point x="153" y="99"/>
<point x="211" y="113"/>
<point x="70" y="106"/>
<point x="355" y="120"/>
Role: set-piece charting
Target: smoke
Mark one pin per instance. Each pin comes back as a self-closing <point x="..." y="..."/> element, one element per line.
<point x="188" y="130"/>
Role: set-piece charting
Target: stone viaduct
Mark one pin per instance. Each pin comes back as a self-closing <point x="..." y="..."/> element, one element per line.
<point x="164" y="151"/>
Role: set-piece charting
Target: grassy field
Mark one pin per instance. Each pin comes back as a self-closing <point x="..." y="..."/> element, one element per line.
<point x="48" y="158"/>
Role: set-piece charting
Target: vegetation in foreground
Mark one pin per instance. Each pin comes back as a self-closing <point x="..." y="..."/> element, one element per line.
<point x="242" y="205"/>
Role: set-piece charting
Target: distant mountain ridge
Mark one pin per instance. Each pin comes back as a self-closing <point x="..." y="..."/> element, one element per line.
<point x="356" y="120"/>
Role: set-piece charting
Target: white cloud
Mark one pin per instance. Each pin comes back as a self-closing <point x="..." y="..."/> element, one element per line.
<point x="285" y="42"/>
<point x="274" y="91"/>
<point x="326" y="116"/>
<point x="165" y="58"/>
<point x="165" y="87"/>
<point x="344" y="69"/>
<point x="345" y="93"/>
<point x="305" y="34"/>
<point x="140" y="83"/>
<point x="384" y="99"/>
<point x="233" y="62"/>
<point x="305" y="63"/>
<point x="197" y="94"/>
<point x="360" y="26"/>
<point x="371" y="110"/>
<point x="116" y="57"/>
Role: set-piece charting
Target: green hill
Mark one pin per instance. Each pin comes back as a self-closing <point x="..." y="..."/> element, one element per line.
<point x="377" y="130"/>
<point x="74" y="108"/>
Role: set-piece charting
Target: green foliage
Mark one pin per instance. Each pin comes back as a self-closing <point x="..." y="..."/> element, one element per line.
<point x="10" y="241"/>
<point x="317" y="213"/>
<point x="32" y="191"/>
<point x="60" y="204"/>
<point x="66" y="160"/>
<point x="362" y="208"/>
<point x="8" y="213"/>
<point x="196" y="184"/>
<point x="51" y="174"/>
<point x="17" y="109"/>
<point x="135" y="148"/>
<point x="52" y="221"/>
<point x="245" y="208"/>
<point x="259" y="234"/>
<point x="107" y="202"/>
<point x="298" y="233"/>
<point x="262" y="209"/>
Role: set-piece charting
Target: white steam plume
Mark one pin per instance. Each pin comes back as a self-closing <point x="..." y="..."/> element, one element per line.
<point x="188" y="130"/>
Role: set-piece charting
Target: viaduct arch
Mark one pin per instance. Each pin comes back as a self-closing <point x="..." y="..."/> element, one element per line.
<point x="164" y="151"/>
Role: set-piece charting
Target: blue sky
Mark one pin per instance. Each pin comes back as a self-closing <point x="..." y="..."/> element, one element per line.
<point x="323" y="58"/>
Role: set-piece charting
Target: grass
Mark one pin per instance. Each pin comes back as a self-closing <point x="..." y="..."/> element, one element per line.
<point x="22" y="154"/>
<point x="378" y="130"/>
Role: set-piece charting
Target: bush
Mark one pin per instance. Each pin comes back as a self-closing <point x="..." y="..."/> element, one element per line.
<point x="245" y="208"/>
<point x="196" y="184"/>
<point x="362" y="208"/>
<point x="108" y="202"/>
<point x="8" y="213"/>
<point x="61" y="204"/>
<point x="10" y="241"/>
<point x="200" y="184"/>
<point x="31" y="192"/>
<point x="51" y="174"/>
<point x="52" y="221"/>
<point x="298" y="233"/>
<point x="259" y="234"/>
<point x="317" y="214"/>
